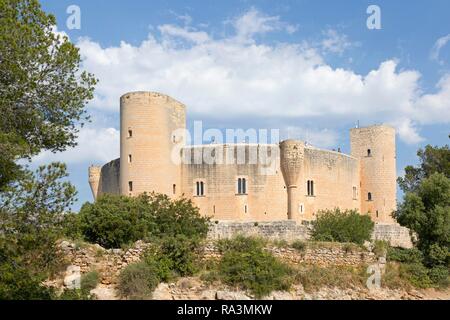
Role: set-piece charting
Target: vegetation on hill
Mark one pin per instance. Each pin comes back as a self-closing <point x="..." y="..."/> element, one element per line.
<point x="114" y="221"/>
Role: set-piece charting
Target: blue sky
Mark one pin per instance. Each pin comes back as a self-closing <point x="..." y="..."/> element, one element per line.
<point x="309" y="68"/>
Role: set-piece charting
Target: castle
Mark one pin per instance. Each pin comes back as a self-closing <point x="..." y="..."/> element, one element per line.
<point x="294" y="182"/>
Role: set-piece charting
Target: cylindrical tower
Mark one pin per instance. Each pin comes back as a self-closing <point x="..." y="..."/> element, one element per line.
<point x="148" y="133"/>
<point x="94" y="180"/>
<point x="291" y="162"/>
<point x="374" y="146"/>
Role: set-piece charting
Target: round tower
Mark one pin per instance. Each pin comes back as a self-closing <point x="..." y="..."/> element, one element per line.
<point x="291" y="162"/>
<point x="94" y="180"/>
<point x="374" y="146"/>
<point x="148" y="125"/>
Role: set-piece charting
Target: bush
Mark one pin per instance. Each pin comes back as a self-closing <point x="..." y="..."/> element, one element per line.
<point x="246" y="264"/>
<point x="74" y="294"/>
<point x="174" y="256"/>
<point x="114" y="221"/>
<point x="437" y="255"/>
<point x="299" y="245"/>
<point x="89" y="281"/>
<point x="416" y="274"/>
<point x="404" y="255"/>
<point x="137" y="281"/>
<point x="342" y="226"/>
<point x="16" y="283"/>
<point x="380" y="248"/>
<point x="439" y="276"/>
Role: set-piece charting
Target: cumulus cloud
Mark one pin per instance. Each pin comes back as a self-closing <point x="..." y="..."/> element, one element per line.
<point x="237" y="77"/>
<point x="254" y="22"/>
<point x="439" y="44"/>
<point x="335" y="42"/>
<point x="95" y="145"/>
<point x="324" y="138"/>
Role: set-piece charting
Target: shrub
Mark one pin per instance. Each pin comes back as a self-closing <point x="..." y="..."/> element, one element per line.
<point x="439" y="275"/>
<point x="416" y="274"/>
<point x="246" y="264"/>
<point x="89" y="281"/>
<point x="342" y="226"/>
<point x="137" y="281"/>
<point x="299" y="245"/>
<point x="74" y="294"/>
<point x="404" y="255"/>
<point x="241" y="244"/>
<point x="437" y="255"/>
<point x="173" y="256"/>
<point x="380" y="248"/>
<point x="16" y="283"/>
<point x="114" y="221"/>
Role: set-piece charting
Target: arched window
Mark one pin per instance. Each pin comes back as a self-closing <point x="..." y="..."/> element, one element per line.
<point x="369" y="152"/>
<point x="369" y="196"/>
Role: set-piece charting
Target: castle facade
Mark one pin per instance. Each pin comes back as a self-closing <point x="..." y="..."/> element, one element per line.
<point x="244" y="181"/>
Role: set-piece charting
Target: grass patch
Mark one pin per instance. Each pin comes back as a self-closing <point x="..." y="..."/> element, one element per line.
<point x="313" y="277"/>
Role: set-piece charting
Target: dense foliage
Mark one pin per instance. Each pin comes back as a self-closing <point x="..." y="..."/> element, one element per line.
<point x="245" y="263"/>
<point x="31" y="221"/>
<point x="42" y="90"/>
<point x="427" y="212"/>
<point x="113" y="221"/>
<point x="432" y="160"/>
<point x="342" y="226"/>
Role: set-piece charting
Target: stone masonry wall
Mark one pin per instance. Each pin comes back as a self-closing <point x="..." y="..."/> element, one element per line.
<point x="289" y="230"/>
<point x="322" y="254"/>
<point x="275" y="230"/>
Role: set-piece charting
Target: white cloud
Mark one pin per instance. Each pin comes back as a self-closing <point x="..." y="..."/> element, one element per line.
<point x="255" y="22"/>
<point x="439" y="44"/>
<point x="335" y="42"/>
<point x="281" y="81"/>
<point x="96" y="146"/>
<point x="324" y="138"/>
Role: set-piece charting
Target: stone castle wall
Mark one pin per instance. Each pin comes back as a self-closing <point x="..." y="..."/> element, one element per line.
<point x="289" y="230"/>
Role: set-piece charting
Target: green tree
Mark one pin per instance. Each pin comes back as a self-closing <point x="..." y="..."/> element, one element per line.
<point x="342" y="226"/>
<point x="32" y="215"/>
<point x="31" y="220"/>
<point x="42" y="90"/>
<point x="427" y="212"/>
<point x="432" y="160"/>
<point x="113" y="220"/>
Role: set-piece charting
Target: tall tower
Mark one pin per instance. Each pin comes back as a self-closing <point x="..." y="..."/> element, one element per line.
<point x="148" y="125"/>
<point x="374" y="146"/>
<point x="291" y="162"/>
